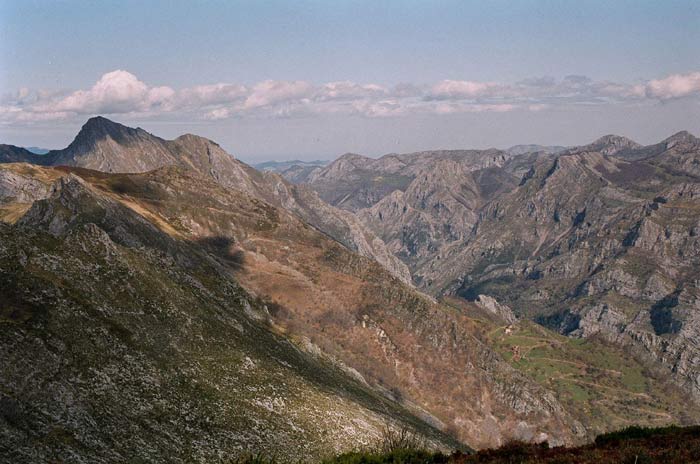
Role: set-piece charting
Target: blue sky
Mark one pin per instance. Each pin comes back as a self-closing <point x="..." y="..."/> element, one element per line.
<point x="316" y="79"/>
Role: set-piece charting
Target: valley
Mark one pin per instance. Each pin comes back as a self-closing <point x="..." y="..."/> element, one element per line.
<point x="458" y="294"/>
<point x="592" y="241"/>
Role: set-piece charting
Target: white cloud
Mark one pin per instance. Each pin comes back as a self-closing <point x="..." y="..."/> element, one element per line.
<point x="122" y="92"/>
<point x="464" y="107"/>
<point x="219" y="113"/>
<point x="116" y="92"/>
<point x="457" y="90"/>
<point x="674" y="86"/>
<point x="212" y="94"/>
<point x="347" y="90"/>
<point x="380" y="109"/>
<point x="269" y="92"/>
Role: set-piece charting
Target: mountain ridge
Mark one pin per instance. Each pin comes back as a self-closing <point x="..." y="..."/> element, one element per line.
<point x="108" y="146"/>
<point x="122" y="341"/>
<point x="466" y="235"/>
<point x="545" y="211"/>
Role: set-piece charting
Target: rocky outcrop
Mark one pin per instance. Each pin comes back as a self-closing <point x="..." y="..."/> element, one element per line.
<point x="19" y="186"/>
<point x="490" y="304"/>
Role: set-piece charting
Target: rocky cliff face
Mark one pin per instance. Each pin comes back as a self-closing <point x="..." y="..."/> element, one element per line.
<point x="22" y="184"/>
<point x="594" y="241"/>
<point x="596" y="246"/>
<point x="416" y="203"/>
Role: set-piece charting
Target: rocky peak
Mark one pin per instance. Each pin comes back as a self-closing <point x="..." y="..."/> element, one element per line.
<point x="342" y="167"/>
<point x="352" y="160"/>
<point x="517" y="150"/>
<point x="202" y="145"/>
<point x="99" y="128"/>
<point x="616" y="140"/>
<point x="351" y="157"/>
<point x="682" y="137"/>
<point x="105" y="145"/>
<point x="195" y="139"/>
<point x="611" y="144"/>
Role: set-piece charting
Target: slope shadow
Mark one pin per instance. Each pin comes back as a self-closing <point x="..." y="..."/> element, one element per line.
<point x="223" y="248"/>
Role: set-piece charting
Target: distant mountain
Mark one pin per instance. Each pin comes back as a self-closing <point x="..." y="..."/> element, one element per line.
<point x="415" y="202"/>
<point x="37" y="150"/>
<point x="296" y="171"/>
<point x="280" y="166"/>
<point x="517" y="150"/>
<point x="14" y="154"/>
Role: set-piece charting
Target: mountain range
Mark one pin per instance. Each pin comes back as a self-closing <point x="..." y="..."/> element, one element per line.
<point x="163" y="296"/>
<point x="599" y="240"/>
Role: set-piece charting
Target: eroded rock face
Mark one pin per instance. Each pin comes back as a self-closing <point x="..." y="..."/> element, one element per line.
<point x="598" y="240"/>
<point x="494" y="307"/>
<point x="419" y="204"/>
<point x="20" y="188"/>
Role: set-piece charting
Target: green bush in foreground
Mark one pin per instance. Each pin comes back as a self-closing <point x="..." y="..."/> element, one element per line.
<point x="395" y="447"/>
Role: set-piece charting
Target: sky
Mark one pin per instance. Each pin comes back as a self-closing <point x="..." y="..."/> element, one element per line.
<point x="315" y="79"/>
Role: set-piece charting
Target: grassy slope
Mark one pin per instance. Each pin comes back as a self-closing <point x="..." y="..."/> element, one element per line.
<point x="604" y="387"/>
<point x="255" y="227"/>
<point x="347" y="305"/>
<point x="135" y="346"/>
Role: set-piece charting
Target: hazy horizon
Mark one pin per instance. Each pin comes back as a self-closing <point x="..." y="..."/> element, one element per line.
<point x="262" y="158"/>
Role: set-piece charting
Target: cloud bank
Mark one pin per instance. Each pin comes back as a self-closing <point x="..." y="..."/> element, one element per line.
<point x="121" y="92"/>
